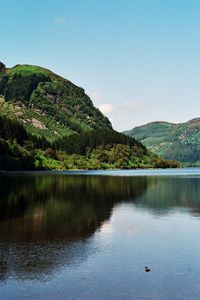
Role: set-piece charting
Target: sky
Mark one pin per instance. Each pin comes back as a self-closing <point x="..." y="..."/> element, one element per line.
<point x="138" y="60"/>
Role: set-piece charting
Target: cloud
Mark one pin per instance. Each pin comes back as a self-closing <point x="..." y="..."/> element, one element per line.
<point x="120" y="111"/>
<point x="122" y="115"/>
<point x="128" y="107"/>
<point x="59" y="20"/>
<point x="106" y="108"/>
<point x="96" y="95"/>
<point x="129" y="114"/>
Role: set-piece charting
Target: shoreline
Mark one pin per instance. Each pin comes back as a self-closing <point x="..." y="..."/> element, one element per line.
<point x="111" y="172"/>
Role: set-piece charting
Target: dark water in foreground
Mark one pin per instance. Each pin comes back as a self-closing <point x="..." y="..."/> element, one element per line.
<point x="90" y="236"/>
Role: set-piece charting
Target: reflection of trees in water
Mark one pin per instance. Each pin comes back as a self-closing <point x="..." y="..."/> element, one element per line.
<point x="165" y="193"/>
<point x="46" y="219"/>
<point x="78" y="204"/>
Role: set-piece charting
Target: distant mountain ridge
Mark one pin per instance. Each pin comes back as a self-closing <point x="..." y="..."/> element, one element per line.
<point x="172" y="141"/>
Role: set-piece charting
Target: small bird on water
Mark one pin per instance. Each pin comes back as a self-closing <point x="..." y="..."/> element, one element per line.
<point x="147" y="269"/>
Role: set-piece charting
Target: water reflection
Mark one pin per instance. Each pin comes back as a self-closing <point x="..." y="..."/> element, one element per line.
<point x="47" y="221"/>
<point x="165" y="194"/>
<point x="55" y="207"/>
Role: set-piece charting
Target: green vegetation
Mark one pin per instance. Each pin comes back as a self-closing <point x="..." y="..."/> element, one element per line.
<point x="171" y="141"/>
<point x="117" y="156"/>
<point x="17" y="146"/>
<point x="49" y="105"/>
<point x="48" y="123"/>
<point x="80" y="143"/>
<point x="98" y="149"/>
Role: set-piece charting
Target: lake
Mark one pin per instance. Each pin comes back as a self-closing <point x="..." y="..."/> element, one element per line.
<point x="89" y="235"/>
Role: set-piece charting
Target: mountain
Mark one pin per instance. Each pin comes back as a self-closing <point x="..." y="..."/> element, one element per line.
<point x="171" y="141"/>
<point x="47" y="122"/>
<point x="47" y="104"/>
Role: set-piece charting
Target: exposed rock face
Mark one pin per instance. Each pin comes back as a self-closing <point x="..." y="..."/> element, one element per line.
<point x="36" y="123"/>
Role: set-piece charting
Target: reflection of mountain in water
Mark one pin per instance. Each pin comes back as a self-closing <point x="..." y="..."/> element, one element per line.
<point x="55" y="207"/>
<point x="46" y="220"/>
<point x="166" y="193"/>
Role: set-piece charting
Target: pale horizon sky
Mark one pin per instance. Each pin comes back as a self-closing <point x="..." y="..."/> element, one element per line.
<point x="139" y="60"/>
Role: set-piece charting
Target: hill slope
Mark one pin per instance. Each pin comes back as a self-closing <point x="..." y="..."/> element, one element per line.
<point x="47" y="122"/>
<point x="172" y="141"/>
<point x="96" y="149"/>
<point x="46" y="103"/>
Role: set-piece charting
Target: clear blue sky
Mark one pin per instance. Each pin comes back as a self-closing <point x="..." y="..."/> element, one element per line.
<point x="139" y="60"/>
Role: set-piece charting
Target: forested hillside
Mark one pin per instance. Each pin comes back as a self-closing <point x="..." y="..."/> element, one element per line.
<point x="172" y="141"/>
<point x="48" y="123"/>
<point x="97" y="149"/>
<point x="47" y="104"/>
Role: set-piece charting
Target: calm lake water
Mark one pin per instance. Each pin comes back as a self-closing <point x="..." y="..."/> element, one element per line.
<point x="87" y="235"/>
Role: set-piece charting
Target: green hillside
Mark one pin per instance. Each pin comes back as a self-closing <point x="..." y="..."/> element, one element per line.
<point x="47" y="104"/>
<point x="48" y="123"/>
<point x="97" y="149"/>
<point x="172" y="141"/>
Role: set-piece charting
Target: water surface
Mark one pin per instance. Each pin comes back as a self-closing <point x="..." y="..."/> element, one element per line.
<point x="89" y="236"/>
